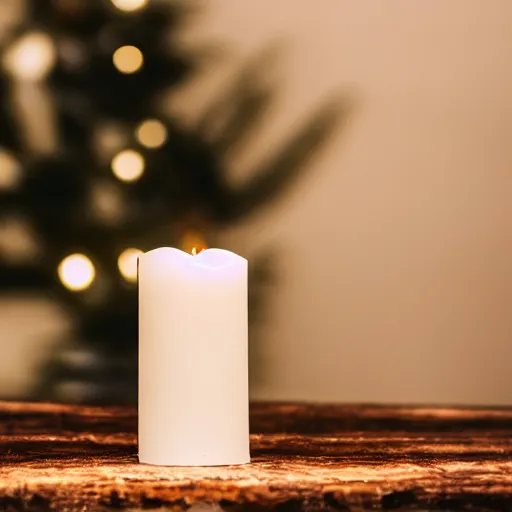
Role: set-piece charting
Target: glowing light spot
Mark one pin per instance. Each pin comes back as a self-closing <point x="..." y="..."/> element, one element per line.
<point x="109" y="139"/>
<point x="128" y="59"/>
<point x="10" y="170"/>
<point x="127" y="263"/>
<point x="151" y="133"/>
<point x="107" y="203"/>
<point x="129" y="5"/>
<point x="128" y="165"/>
<point x="76" y="272"/>
<point x="31" y="57"/>
<point x="72" y="53"/>
<point x="18" y="243"/>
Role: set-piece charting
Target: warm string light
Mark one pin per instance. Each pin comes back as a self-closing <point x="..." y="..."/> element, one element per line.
<point x="151" y="133"/>
<point x="72" y="8"/>
<point x="127" y="263"/>
<point x="128" y="59"/>
<point x="10" y="170"/>
<point x="129" y="5"/>
<point x="31" y="57"/>
<point x="72" y="53"/>
<point x="128" y="165"/>
<point x="110" y="138"/>
<point x="107" y="202"/>
<point x="76" y="272"/>
<point x="17" y="241"/>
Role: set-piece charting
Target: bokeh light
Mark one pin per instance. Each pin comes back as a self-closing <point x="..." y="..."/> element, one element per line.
<point x="76" y="272"/>
<point x="72" y="53"/>
<point x="107" y="202"/>
<point x="109" y="139"/>
<point x="129" y="5"/>
<point x="31" y="57"/>
<point x="18" y="243"/>
<point x="71" y="8"/>
<point x="127" y="263"/>
<point x="151" y="133"/>
<point x="128" y="165"/>
<point x="128" y="59"/>
<point x="10" y="170"/>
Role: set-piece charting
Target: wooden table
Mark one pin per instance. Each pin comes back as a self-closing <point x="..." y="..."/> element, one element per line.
<point x="304" y="457"/>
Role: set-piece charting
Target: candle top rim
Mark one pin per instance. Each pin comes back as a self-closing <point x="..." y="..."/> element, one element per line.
<point x="210" y="258"/>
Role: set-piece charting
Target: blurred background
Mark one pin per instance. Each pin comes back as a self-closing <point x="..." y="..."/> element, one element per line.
<point x="358" y="153"/>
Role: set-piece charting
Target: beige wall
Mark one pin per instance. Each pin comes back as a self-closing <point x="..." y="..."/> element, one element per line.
<point x="30" y="327"/>
<point x="396" y="249"/>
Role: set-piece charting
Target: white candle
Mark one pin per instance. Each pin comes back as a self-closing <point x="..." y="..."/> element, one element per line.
<point x="193" y="376"/>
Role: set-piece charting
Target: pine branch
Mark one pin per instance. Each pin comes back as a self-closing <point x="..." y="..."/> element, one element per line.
<point x="276" y="175"/>
<point x="249" y="85"/>
<point x="251" y="107"/>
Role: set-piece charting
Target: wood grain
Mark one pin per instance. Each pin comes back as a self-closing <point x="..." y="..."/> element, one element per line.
<point x="304" y="457"/>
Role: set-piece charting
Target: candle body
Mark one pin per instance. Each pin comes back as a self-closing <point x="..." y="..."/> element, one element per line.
<point x="193" y="358"/>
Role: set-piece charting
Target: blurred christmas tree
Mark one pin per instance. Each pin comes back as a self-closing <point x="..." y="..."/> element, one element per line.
<point x="92" y="173"/>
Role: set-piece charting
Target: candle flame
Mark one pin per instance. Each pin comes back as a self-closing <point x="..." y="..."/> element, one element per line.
<point x="195" y="250"/>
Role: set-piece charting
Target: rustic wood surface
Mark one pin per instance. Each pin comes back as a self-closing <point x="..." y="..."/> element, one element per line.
<point x="304" y="457"/>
